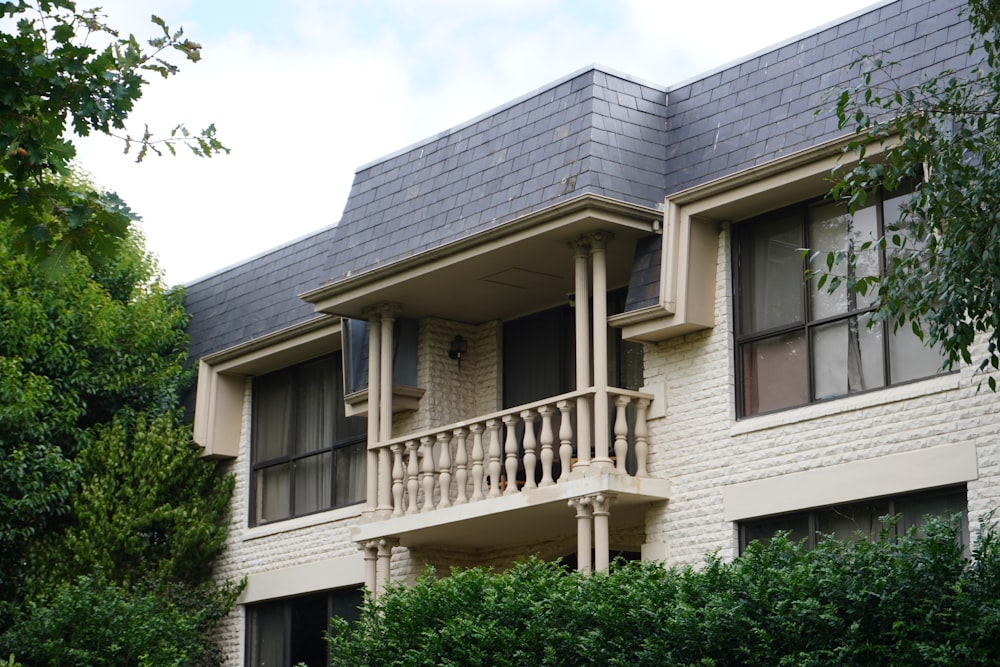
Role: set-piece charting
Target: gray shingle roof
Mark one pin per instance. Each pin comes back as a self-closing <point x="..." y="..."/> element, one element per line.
<point x="764" y="107"/>
<point x="594" y="132"/>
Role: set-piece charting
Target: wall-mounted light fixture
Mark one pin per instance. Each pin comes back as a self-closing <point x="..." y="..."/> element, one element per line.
<point x="457" y="349"/>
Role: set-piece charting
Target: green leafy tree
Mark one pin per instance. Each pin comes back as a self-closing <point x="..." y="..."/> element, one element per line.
<point x="943" y="273"/>
<point x="65" y="72"/>
<point x="916" y="600"/>
<point x="100" y="485"/>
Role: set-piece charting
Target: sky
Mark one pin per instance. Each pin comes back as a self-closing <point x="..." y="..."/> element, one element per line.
<point x="304" y="92"/>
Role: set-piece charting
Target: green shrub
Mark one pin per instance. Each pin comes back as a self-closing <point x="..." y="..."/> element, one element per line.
<point x="916" y="600"/>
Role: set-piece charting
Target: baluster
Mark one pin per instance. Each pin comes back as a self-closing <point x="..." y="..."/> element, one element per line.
<point x="565" y="440"/>
<point x="427" y="472"/>
<point x="493" y="426"/>
<point x="397" y="479"/>
<point x="412" y="474"/>
<point x="547" y="438"/>
<point x="478" y="468"/>
<point x="444" y="465"/>
<point x="461" y="467"/>
<point x="641" y="437"/>
<point x="510" y="451"/>
<point x="621" y="433"/>
<point x="530" y="449"/>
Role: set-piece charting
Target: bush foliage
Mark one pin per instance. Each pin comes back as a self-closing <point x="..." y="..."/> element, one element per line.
<point x="917" y="600"/>
<point x="107" y="511"/>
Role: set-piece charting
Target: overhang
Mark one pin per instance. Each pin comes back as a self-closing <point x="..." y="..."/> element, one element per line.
<point x="528" y="516"/>
<point x="509" y="270"/>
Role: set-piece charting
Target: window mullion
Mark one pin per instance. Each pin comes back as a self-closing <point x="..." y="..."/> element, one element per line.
<point x="806" y="312"/>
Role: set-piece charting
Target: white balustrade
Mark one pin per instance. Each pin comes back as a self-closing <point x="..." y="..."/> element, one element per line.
<point x="512" y="451"/>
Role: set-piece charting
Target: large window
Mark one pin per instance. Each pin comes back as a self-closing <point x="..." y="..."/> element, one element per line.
<point x="291" y="631"/>
<point x="306" y="455"/>
<point x="863" y="518"/>
<point x="798" y="343"/>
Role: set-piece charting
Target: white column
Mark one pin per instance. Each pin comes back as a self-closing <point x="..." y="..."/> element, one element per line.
<point x="385" y="407"/>
<point x="371" y="470"/>
<point x="385" y="546"/>
<point x="370" y="550"/>
<point x="582" y="330"/>
<point x="602" y="532"/>
<point x="584" y="516"/>
<point x="602" y="460"/>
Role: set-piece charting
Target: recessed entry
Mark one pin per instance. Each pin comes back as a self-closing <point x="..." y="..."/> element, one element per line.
<point x="520" y="278"/>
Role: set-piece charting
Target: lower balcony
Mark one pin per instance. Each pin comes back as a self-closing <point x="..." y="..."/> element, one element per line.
<point x="516" y="476"/>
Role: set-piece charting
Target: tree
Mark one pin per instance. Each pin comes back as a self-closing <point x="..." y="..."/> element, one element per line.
<point x="943" y="272"/>
<point x="62" y="72"/>
<point x="100" y="485"/>
<point x="916" y="600"/>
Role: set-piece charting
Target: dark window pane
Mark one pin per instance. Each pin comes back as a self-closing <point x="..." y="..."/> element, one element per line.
<point x="847" y="522"/>
<point x="272" y="415"/>
<point x="314" y="406"/>
<point x="771" y="276"/>
<point x="272" y="493"/>
<point x="310" y="619"/>
<point x="267" y="635"/>
<point x="349" y="485"/>
<point x="313" y="482"/>
<point x="796" y="525"/>
<point x="775" y="373"/>
<point x="347" y="603"/>
<point x="914" y="510"/>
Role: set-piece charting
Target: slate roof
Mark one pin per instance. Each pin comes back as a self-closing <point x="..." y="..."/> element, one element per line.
<point x="764" y="107"/>
<point x="593" y="132"/>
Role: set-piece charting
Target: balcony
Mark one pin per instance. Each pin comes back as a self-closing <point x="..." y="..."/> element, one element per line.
<point x="516" y="476"/>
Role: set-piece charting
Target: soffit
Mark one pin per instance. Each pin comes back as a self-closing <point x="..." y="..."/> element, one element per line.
<point x="519" y="268"/>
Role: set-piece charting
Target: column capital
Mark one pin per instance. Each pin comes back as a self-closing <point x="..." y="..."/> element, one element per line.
<point x="602" y="503"/>
<point x="581" y="245"/>
<point x="582" y="504"/>
<point x="599" y="240"/>
<point x="384" y="310"/>
<point x="386" y="544"/>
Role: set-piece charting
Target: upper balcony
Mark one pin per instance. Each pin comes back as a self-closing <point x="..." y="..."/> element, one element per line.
<point x="570" y="455"/>
<point x="507" y="477"/>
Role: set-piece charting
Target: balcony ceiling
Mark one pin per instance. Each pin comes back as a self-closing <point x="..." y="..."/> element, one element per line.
<point x="511" y="271"/>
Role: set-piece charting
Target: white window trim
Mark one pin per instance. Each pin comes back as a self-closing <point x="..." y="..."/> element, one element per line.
<point x="894" y="474"/>
<point x="222" y="378"/>
<point x="314" y="577"/>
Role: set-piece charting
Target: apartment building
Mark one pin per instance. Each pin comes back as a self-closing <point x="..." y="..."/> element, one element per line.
<point x="576" y="326"/>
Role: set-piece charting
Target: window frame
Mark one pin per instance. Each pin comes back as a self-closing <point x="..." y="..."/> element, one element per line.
<point x="812" y="515"/>
<point x="289" y="458"/>
<point x="286" y="608"/>
<point x="804" y="325"/>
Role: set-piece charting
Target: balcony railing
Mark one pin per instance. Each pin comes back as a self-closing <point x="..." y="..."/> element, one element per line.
<point x="514" y="451"/>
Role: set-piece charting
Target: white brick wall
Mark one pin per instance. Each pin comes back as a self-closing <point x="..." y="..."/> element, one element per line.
<point x="699" y="446"/>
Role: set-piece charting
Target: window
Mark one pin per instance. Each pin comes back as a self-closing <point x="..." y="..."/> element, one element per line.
<point x="291" y="631"/>
<point x="306" y="455"/>
<point x="846" y="521"/>
<point x="798" y="344"/>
